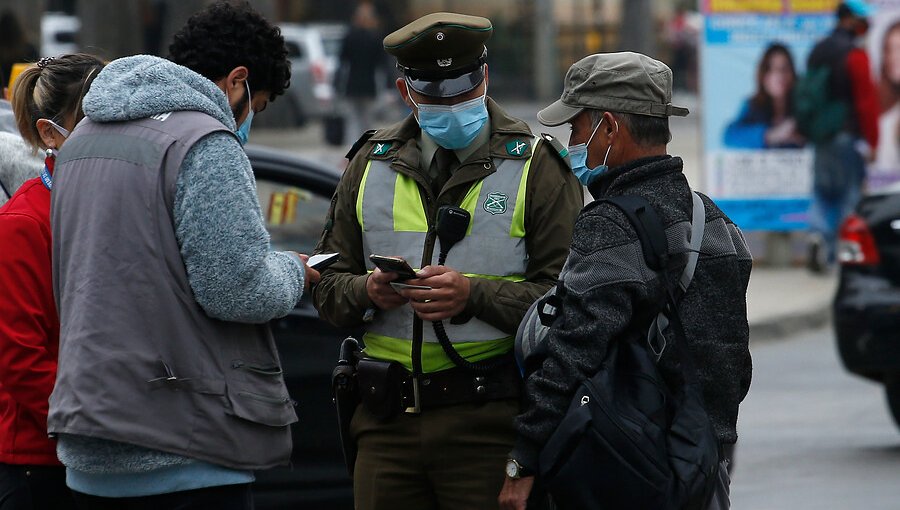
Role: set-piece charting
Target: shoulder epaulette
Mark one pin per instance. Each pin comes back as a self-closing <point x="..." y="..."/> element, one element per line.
<point x="558" y="148"/>
<point x="357" y="145"/>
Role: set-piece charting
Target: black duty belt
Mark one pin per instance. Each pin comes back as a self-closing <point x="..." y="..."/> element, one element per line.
<point x="386" y="388"/>
<point x="460" y="386"/>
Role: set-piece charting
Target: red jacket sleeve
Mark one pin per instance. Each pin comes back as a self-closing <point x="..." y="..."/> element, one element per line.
<point x="865" y="99"/>
<point x="29" y="330"/>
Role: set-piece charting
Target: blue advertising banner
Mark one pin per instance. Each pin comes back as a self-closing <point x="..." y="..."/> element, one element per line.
<point x="758" y="166"/>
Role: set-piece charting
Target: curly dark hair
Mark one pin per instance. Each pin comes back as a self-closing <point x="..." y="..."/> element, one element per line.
<point x="226" y="35"/>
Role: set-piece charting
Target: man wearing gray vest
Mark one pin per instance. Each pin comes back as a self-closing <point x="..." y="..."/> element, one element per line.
<point x="169" y="391"/>
<point x="443" y="439"/>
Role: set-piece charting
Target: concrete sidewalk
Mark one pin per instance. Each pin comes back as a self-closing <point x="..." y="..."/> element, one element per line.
<point x="785" y="301"/>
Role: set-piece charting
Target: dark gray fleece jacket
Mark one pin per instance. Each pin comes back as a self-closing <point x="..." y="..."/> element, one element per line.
<point x="609" y="295"/>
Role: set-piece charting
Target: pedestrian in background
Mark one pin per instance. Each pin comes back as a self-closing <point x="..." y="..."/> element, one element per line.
<point x="170" y="390"/>
<point x="362" y="63"/>
<point x="618" y="105"/>
<point x="48" y="106"/>
<point x="839" y="161"/>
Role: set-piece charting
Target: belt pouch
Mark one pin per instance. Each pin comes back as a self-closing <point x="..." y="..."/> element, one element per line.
<point x="380" y="387"/>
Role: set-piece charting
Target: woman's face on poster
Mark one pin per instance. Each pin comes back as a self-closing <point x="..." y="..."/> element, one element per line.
<point x="779" y="77"/>
<point x="892" y="56"/>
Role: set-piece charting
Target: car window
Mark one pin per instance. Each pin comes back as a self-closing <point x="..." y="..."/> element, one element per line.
<point x="65" y="37"/>
<point x="293" y="49"/>
<point x="332" y="46"/>
<point x="295" y="217"/>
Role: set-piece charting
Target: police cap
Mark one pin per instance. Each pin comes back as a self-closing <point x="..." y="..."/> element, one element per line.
<point x="441" y="54"/>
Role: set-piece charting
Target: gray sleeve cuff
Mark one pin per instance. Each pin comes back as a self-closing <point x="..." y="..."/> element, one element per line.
<point x="301" y="266"/>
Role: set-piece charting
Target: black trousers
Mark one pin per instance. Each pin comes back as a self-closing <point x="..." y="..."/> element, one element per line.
<point x="25" y="487"/>
<point x="225" y="497"/>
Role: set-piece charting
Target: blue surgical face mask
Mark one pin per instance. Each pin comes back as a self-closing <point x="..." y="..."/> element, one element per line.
<point x="452" y="126"/>
<point x="243" y="132"/>
<point x="578" y="160"/>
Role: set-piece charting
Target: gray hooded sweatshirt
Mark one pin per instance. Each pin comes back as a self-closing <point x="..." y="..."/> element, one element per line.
<point x="234" y="274"/>
<point x="17" y="164"/>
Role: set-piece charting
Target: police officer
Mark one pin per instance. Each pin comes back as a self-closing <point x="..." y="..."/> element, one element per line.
<point x="435" y="424"/>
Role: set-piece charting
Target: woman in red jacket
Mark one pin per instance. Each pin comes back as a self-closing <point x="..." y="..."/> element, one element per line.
<point x="47" y="105"/>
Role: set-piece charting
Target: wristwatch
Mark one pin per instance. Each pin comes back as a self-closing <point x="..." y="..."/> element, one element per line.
<point x="515" y="470"/>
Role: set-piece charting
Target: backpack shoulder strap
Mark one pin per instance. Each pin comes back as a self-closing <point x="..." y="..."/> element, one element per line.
<point x="654" y="246"/>
<point x="652" y="234"/>
<point x="698" y="228"/>
<point x="648" y="226"/>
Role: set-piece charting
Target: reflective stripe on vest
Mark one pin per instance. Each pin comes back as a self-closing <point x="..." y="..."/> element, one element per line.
<point x="392" y="218"/>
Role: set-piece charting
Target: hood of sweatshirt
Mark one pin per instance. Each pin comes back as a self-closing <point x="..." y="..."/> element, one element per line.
<point x="17" y="163"/>
<point x="138" y="87"/>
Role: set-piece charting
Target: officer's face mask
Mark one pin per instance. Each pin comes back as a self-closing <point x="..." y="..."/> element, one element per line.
<point x="452" y="126"/>
<point x="243" y="131"/>
<point x="578" y="155"/>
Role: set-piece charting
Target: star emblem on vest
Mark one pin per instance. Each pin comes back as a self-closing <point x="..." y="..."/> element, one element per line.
<point x="381" y="149"/>
<point x="516" y="148"/>
<point x="495" y="203"/>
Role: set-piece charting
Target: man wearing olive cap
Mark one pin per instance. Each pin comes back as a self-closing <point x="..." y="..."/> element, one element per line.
<point x="618" y="105"/>
<point x="435" y="424"/>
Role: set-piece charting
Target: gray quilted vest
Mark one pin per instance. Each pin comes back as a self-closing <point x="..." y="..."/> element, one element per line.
<point x="140" y="362"/>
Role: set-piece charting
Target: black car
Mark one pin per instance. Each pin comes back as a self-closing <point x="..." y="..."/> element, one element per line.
<point x="295" y="195"/>
<point x="867" y="304"/>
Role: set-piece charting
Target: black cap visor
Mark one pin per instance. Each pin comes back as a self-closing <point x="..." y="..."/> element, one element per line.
<point x="447" y="87"/>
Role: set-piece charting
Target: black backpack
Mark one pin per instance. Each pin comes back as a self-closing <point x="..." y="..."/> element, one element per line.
<point x="631" y="439"/>
<point x="819" y="115"/>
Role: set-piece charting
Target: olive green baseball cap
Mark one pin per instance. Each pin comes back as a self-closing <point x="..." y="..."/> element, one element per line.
<point x="623" y="82"/>
<point x="441" y="54"/>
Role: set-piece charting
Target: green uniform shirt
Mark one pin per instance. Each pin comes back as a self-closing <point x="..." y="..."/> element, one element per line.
<point x="553" y="200"/>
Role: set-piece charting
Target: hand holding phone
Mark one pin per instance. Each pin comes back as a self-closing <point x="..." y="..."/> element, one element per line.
<point x="379" y="290"/>
<point x="393" y="265"/>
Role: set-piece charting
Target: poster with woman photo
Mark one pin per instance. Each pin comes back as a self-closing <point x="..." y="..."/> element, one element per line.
<point x="758" y="165"/>
<point x="884" y="53"/>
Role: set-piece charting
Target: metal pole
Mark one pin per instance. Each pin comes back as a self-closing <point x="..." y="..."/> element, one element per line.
<point x="637" y="33"/>
<point x="545" y="54"/>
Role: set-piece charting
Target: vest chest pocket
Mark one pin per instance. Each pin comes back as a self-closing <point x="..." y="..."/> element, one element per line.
<point x="256" y="393"/>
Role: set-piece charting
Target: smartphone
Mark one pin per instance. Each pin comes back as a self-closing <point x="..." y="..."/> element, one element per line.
<point x="393" y="265"/>
<point x="323" y="260"/>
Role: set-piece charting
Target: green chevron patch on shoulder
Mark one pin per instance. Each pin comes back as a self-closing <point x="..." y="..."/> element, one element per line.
<point x="516" y="148"/>
<point x="381" y="148"/>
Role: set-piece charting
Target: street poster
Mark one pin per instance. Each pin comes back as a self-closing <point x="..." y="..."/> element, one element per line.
<point x="758" y="167"/>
